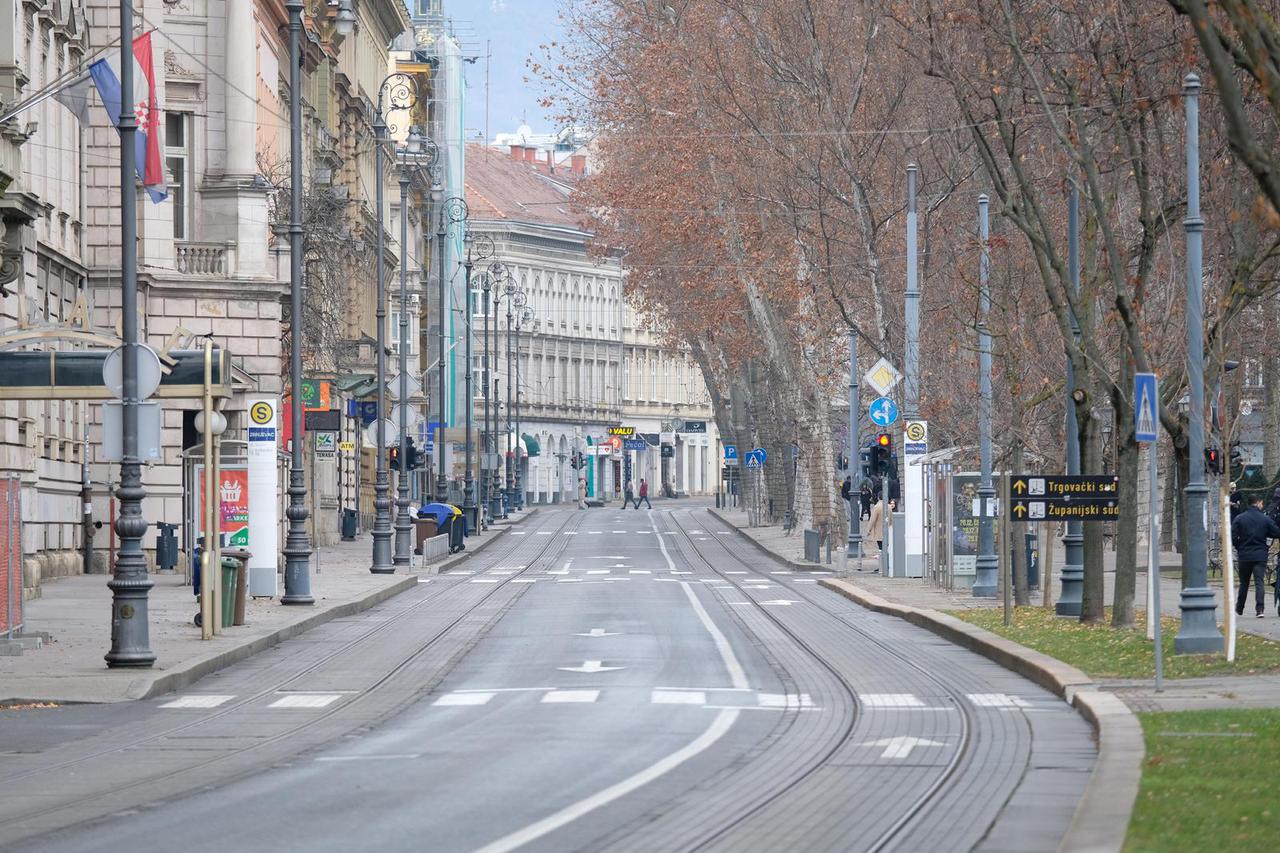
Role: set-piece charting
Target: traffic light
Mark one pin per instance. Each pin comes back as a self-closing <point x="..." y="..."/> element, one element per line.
<point x="883" y="456"/>
<point x="393" y="457"/>
<point x="416" y="457"/>
<point x="1235" y="460"/>
<point x="1213" y="460"/>
<point x="864" y="459"/>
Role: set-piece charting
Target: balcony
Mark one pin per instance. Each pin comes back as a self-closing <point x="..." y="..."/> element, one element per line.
<point x="205" y="259"/>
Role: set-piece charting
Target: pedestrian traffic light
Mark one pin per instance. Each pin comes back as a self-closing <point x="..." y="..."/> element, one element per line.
<point x="1213" y="460"/>
<point x="416" y="457"/>
<point x="864" y="459"/>
<point x="393" y="458"/>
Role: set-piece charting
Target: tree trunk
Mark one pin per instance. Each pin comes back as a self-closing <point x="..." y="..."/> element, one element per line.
<point x="1021" y="590"/>
<point x="1093" y="602"/>
<point x="1127" y="455"/>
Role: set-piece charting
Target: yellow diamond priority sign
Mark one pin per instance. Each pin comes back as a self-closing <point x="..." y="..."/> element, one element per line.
<point x="882" y="377"/>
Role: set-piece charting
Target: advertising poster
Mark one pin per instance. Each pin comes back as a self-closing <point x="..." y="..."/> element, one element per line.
<point x="233" y="510"/>
<point x="964" y="524"/>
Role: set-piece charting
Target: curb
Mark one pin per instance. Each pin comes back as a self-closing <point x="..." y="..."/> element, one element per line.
<point x="177" y="679"/>
<point x="1101" y="819"/>
<point x="798" y="565"/>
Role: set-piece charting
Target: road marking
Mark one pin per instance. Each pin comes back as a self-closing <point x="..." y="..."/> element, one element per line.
<point x="676" y="572"/>
<point x="619" y="566"/>
<point x="397" y="756"/>
<point x="465" y="698"/>
<point x="804" y="580"/>
<point x="997" y="700"/>
<point x="639" y="572"/>
<point x="722" y="532"/>
<point x="517" y="533"/>
<point x="737" y="677"/>
<point x="590" y="666"/>
<point x="678" y="697"/>
<point x="571" y="533"/>
<point x="735" y="573"/>
<point x="570" y="696"/>
<point x="782" y="573"/>
<point x="568" y="580"/>
<point x="890" y="700"/>
<point x="779" y="602"/>
<point x="597" y="571"/>
<point x="524" y="580"/>
<point x="900" y="747"/>
<point x="306" y="700"/>
<point x="722" y="723"/>
<point x="545" y="532"/>
<point x="462" y="573"/>
<point x="485" y="580"/>
<point x="598" y="632"/>
<point x="501" y="572"/>
<point x="784" y="700"/>
<point x="610" y="557"/>
<point x="424" y="580"/>
<point x="619" y="531"/>
<point x="558" y="572"/>
<point x="198" y="700"/>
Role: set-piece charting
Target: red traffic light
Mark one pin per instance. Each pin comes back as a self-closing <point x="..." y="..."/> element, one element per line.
<point x="884" y="440"/>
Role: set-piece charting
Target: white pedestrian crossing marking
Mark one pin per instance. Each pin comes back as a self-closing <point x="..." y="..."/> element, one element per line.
<point x="997" y="700"/>
<point x="784" y="700"/>
<point x="198" y="700"/>
<point x="597" y="571"/>
<point x="639" y="572"/>
<point x="678" y="697"/>
<point x="553" y="697"/>
<point x="571" y="533"/>
<point x="524" y="580"/>
<point x="782" y="573"/>
<point x="735" y="573"/>
<point x="484" y="580"/>
<point x="545" y="532"/>
<point x="306" y="700"/>
<point x="464" y="699"/>
<point x="517" y="533"/>
<point x="891" y="700"/>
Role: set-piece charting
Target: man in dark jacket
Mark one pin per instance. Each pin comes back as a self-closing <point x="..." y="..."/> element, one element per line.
<point x="1249" y="533"/>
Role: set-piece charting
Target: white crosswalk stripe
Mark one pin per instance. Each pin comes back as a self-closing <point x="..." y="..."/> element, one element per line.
<point x="477" y="698"/>
<point x="890" y="700"/>
<point x="997" y="700"/>
<point x="306" y="700"/>
<point x="199" y="700"/>
<point x="678" y="697"/>
<point x="553" y="697"/>
<point x="784" y="700"/>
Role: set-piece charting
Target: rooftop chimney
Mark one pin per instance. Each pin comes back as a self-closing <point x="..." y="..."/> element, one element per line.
<point x="517" y="151"/>
<point x="578" y="164"/>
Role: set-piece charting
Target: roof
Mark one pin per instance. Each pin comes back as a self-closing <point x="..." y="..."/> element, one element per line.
<point x="498" y="186"/>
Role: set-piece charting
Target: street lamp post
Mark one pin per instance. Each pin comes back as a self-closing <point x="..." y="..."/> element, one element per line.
<point x="297" y="545"/>
<point x="497" y="280"/>
<point x="1071" y="601"/>
<point x="477" y="250"/>
<point x="526" y="314"/>
<point x="130" y="586"/>
<point x="453" y="210"/>
<point x="402" y="94"/>
<point x="409" y="157"/>
<point x="1198" y="633"/>
<point x="984" y="584"/>
<point x="853" y="548"/>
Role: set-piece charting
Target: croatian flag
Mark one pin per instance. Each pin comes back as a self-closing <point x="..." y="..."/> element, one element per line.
<point x="149" y="143"/>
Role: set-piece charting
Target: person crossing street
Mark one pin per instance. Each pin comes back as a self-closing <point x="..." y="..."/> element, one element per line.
<point x="643" y="494"/>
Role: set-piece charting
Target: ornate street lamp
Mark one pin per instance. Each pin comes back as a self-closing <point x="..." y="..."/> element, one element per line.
<point x="396" y="93"/>
<point x="453" y="210"/>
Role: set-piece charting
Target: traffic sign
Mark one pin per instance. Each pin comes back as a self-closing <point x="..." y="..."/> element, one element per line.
<point x="1146" y="423"/>
<point x="731" y="451"/>
<point x="756" y="458"/>
<point x="883" y="412"/>
<point x="882" y="377"/>
<point x="916" y="434"/>
<point x="1033" y="497"/>
<point x="149" y="371"/>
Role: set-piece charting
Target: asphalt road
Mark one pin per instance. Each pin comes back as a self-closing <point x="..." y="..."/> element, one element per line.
<point x="603" y="680"/>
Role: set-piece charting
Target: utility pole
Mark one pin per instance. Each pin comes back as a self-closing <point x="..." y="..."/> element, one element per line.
<point x="1070" y="603"/>
<point x="986" y="577"/>
<point x="1199" y="631"/>
<point x="297" y="544"/>
<point x="382" y="478"/>
<point x="130" y="585"/>
<point x="913" y="470"/>
<point x="853" y="548"/>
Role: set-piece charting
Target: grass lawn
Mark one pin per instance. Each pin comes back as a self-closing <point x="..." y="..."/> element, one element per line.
<point x="1208" y="782"/>
<point x="1104" y="652"/>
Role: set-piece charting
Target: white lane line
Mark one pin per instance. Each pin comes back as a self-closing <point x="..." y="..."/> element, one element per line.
<point x="570" y="696"/>
<point x="462" y="573"/>
<point x="198" y="700"/>
<point x="639" y="572"/>
<point x="722" y="723"/>
<point x="501" y="572"/>
<point x="735" y="573"/>
<point x="804" y="580"/>
<point x="424" y="580"/>
<point x="397" y="756"/>
<point x="597" y="571"/>
<point x="485" y="580"/>
<point x="737" y="677"/>
<point x="890" y="700"/>
<point x="465" y="698"/>
<point x="568" y="580"/>
<point x="782" y="573"/>
<point x="571" y="533"/>
<point x="517" y="533"/>
<point x="524" y="580"/>
<point x="678" y="697"/>
<point x="311" y="700"/>
<point x="545" y="532"/>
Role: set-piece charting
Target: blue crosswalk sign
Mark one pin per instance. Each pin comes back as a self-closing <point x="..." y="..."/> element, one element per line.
<point x="1145" y="399"/>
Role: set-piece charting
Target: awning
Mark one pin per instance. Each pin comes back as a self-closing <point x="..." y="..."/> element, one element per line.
<point x="531" y="444"/>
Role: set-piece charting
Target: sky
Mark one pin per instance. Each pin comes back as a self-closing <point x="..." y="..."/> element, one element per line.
<point x="513" y="29"/>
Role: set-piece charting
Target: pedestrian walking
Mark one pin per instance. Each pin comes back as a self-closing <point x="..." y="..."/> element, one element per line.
<point x="582" y="493"/>
<point x="846" y="492"/>
<point x="864" y="495"/>
<point x="877" y="523"/>
<point x="644" y="494"/>
<point x="628" y="494"/>
<point x="1249" y="533"/>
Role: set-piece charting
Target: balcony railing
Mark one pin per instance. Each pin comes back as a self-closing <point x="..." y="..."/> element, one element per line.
<point x="205" y="259"/>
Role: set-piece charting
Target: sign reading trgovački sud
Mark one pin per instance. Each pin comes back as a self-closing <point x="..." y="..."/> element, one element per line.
<point x="1035" y="497"/>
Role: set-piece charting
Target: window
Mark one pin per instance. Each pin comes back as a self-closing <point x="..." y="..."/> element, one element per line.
<point x="177" y="158"/>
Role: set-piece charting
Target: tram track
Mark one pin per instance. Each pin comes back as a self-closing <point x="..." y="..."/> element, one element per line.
<point x="537" y="556"/>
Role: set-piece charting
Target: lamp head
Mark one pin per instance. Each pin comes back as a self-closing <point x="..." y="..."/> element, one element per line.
<point x="345" y="21"/>
<point x="437" y="192"/>
<point x="413" y="143"/>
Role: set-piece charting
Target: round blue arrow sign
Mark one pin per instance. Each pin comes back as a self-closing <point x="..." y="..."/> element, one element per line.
<point x="883" y="412"/>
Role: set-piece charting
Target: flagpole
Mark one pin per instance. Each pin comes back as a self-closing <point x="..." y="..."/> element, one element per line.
<point x="130" y="640"/>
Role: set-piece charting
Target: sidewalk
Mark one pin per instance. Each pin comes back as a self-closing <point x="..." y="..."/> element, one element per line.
<point x="1254" y="691"/>
<point x="77" y="612"/>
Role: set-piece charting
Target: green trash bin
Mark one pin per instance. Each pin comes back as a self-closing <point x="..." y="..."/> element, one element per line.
<point x="230" y="568"/>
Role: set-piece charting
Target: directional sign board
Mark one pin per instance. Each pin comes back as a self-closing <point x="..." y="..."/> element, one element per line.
<point x="1034" y="497"/>
<point x="883" y="412"/>
<point x="1145" y="388"/>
